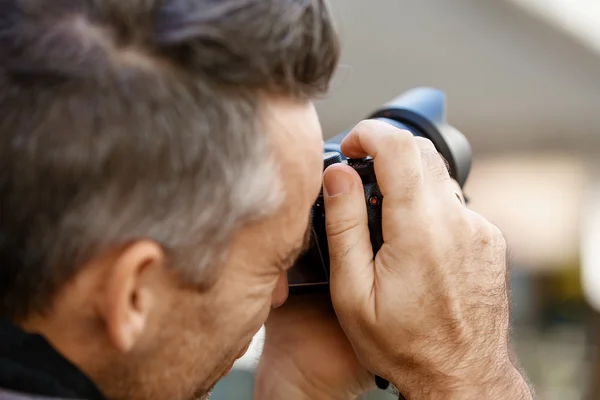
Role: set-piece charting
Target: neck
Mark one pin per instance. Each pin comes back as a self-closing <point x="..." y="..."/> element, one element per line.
<point x="29" y="363"/>
<point x="76" y="338"/>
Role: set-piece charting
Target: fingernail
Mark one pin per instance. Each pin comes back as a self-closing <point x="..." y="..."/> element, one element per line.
<point x="337" y="183"/>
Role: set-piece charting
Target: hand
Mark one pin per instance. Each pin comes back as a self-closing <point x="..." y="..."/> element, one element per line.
<point x="430" y="312"/>
<point x="307" y="355"/>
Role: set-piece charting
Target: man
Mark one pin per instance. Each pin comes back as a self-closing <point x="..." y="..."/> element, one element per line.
<point x="158" y="161"/>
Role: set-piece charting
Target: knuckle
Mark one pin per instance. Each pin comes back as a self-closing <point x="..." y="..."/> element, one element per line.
<point x="425" y="143"/>
<point x="437" y="167"/>
<point x="494" y="234"/>
<point x="397" y="141"/>
<point x="370" y="126"/>
<point x="433" y="161"/>
<point x="340" y="227"/>
<point x="459" y="221"/>
<point x="479" y="225"/>
<point x="364" y="126"/>
<point x="373" y="125"/>
<point x="388" y="138"/>
<point x="401" y="137"/>
<point x="486" y="232"/>
<point x="498" y="238"/>
<point x="404" y="134"/>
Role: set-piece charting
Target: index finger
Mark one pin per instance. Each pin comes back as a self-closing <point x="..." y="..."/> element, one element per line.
<point x="396" y="157"/>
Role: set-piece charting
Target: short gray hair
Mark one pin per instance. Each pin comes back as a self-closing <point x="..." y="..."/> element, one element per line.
<point x="128" y="120"/>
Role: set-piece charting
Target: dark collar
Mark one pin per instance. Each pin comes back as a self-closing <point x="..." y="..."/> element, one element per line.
<point x="29" y="364"/>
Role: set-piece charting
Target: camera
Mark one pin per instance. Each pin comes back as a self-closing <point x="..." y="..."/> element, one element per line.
<point x="420" y="111"/>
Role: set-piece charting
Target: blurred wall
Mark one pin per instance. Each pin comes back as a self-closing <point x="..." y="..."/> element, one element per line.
<point x="514" y="82"/>
<point x="526" y="94"/>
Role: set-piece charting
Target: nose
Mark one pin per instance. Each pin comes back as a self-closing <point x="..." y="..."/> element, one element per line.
<point x="280" y="294"/>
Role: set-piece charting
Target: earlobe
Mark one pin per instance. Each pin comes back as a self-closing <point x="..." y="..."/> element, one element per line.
<point x="131" y="292"/>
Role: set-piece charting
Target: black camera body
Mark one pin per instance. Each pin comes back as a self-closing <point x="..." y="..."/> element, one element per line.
<point x="420" y="111"/>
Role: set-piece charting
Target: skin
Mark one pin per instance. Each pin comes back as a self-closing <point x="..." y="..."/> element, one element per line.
<point x="429" y="312"/>
<point x="129" y="322"/>
<point x="140" y="333"/>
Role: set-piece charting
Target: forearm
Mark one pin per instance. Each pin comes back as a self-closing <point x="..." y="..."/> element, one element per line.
<point x="275" y="389"/>
<point x="507" y="384"/>
<point x="281" y="380"/>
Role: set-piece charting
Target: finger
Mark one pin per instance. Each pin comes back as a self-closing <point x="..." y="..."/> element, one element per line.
<point x="397" y="158"/>
<point x="350" y="251"/>
<point x="435" y="167"/>
<point x="351" y="146"/>
<point x="437" y="172"/>
<point x="398" y="166"/>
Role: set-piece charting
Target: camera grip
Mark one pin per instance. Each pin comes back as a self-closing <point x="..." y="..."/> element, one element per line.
<point x="374" y="200"/>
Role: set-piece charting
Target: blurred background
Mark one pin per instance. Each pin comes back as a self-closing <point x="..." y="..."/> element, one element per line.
<point x="523" y="84"/>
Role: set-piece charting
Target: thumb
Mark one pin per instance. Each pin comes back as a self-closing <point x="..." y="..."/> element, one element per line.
<point x="350" y="251"/>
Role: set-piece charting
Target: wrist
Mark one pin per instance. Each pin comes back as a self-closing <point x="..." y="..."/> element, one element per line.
<point x="282" y="380"/>
<point x="275" y="389"/>
<point x="502" y="382"/>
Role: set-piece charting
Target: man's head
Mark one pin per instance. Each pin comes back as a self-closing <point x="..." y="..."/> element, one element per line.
<point x="158" y="162"/>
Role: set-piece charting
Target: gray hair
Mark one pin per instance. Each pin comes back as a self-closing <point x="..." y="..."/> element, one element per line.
<point x="140" y="119"/>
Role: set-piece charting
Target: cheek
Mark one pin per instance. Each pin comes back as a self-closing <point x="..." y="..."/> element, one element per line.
<point x="244" y="306"/>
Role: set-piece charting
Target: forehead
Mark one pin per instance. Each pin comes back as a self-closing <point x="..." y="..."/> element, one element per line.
<point x="295" y="134"/>
<point x="296" y="147"/>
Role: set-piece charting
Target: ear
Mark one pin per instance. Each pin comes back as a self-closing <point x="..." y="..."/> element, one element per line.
<point x="132" y="292"/>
